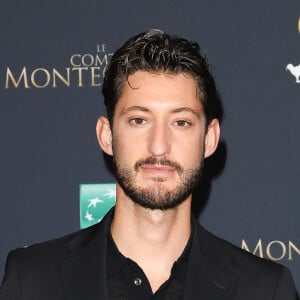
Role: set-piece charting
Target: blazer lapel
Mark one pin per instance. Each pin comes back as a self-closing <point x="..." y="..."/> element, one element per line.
<point x="84" y="272"/>
<point x="207" y="278"/>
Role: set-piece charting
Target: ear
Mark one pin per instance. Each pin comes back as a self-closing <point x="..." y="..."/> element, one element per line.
<point x="212" y="138"/>
<point x="104" y="135"/>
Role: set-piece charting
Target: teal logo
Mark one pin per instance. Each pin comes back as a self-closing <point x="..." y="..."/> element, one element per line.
<point x="95" y="201"/>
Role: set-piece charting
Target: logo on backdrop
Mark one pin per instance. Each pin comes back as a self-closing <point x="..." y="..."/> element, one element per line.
<point x="294" y="70"/>
<point x="274" y="250"/>
<point x="83" y="69"/>
<point x="95" y="201"/>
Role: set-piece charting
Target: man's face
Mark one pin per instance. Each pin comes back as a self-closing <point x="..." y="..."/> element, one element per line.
<point x="158" y="138"/>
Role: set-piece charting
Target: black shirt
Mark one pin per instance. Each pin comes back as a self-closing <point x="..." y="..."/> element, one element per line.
<point x="126" y="280"/>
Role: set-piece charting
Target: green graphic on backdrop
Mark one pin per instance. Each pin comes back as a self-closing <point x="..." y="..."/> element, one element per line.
<point x="95" y="202"/>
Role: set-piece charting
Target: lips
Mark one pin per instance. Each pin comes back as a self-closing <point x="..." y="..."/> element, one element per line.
<point x="157" y="169"/>
<point x="158" y="165"/>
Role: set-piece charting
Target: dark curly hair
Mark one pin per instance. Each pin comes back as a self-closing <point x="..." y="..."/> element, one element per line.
<point x="156" y="51"/>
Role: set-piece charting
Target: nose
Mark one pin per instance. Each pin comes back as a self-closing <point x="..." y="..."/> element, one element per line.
<point x="159" y="140"/>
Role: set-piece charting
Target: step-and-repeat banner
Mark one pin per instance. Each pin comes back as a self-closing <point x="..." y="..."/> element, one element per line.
<point x="53" y="176"/>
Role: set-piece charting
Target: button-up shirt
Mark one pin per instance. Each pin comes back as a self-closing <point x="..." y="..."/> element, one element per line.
<point x="126" y="280"/>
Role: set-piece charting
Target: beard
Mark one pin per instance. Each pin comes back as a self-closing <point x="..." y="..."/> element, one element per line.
<point x="158" y="196"/>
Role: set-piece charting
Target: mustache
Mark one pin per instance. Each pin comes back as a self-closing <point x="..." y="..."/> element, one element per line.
<point x="153" y="160"/>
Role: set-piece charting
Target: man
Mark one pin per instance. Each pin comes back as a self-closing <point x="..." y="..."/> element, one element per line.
<point x="162" y="123"/>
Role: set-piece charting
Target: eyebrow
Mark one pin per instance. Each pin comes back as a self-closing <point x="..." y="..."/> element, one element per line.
<point x="176" y="110"/>
<point x="187" y="109"/>
<point x="134" y="108"/>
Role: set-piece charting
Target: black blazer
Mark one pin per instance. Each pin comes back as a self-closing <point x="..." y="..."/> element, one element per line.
<point x="74" y="267"/>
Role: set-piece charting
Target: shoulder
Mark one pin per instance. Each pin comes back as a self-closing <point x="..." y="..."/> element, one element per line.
<point x="56" y="250"/>
<point x="29" y="268"/>
<point x="51" y="251"/>
<point x="254" y="274"/>
<point x="37" y="269"/>
<point x="225" y="253"/>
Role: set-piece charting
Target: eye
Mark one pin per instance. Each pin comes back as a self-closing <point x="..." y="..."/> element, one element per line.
<point x="182" y="123"/>
<point x="137" y="121"/>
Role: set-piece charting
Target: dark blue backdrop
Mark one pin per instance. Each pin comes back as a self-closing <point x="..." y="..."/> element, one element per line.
<point x="50" y="100"/>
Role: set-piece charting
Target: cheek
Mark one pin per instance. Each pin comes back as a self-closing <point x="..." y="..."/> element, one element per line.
<point x="124" y="151"/>
<point x="194" y="152"/>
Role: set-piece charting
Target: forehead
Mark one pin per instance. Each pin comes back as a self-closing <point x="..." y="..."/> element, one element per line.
<point x="165" y="90"/>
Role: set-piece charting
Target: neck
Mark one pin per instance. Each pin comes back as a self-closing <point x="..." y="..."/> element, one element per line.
<point x="154" y="239"/>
